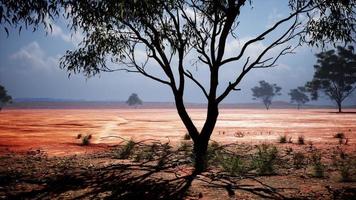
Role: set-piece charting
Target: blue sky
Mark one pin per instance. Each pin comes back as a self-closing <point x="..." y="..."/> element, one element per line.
<point x="29" y="66"/>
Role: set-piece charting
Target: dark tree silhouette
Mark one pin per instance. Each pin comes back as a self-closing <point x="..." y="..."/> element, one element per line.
<point x="298" y="96"/>
<point x="170" y="30"/>
<point x="335" y="75"/>
<point x="265" y="92"/>
<point x="134" y="100"/>
<point x="4" y="97"/>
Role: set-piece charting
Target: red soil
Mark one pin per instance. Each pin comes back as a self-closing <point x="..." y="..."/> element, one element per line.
<point x="55" y="131"/>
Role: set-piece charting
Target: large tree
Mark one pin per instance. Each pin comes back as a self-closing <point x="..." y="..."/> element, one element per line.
<point x="298" y="96"/>
<point x="335" y="75"/>
<point x="265" y="92"/>
<point x="4" y="97"/>
<point x="170" y="30"/>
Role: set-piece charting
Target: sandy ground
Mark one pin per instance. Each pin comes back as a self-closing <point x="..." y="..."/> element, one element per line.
<point x="55" y="131"/>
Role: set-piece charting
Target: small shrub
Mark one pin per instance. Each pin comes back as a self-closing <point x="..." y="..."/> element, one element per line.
<point x="344" y="164"/>
<point x="318" y="167"/>
<point x="234" y="165"/>
<point x="127" y="150"/>
<point x="213" y="153"/>
<point x="265" y="159"/>
<point x="298" y="160"/>
<point x="283" y="139"/>
<point x="290" y="140"/>
<point x="79" y="136"/>
<point x="301" y="140"/>
<point x="339" y="135"/>
<point x="86" y="140"/>
<point x="186" y="137"/>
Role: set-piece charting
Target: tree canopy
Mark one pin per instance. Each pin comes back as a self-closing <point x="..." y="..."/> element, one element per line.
<point x="167" y="31"/>
<point x="4" y="97"/>
<point x="299" y="96"/>
<point x="134" y="100"/>
<point x="335" y="75"/>
<point x="266" y="92"/>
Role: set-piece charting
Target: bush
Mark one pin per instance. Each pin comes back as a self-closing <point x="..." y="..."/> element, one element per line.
<point x="186" y="137"/>
<point x="344" y="164"/>
<point x="86" y="140"/>
<point x="318" y="167"/>
<point x="298" y="160"/>
<point x="126" y="151"/>
<point x="234" y="165"/>
<point x="265" y="159"/>
<point x="283" y="139"/>
<point x="339" y="135"/>
<point x="301" y="140"/>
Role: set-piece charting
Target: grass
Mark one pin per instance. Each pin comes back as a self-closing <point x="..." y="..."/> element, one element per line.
<point x="234" y="165"/>
<point x="301" y="140"/>
<point x="318" y="167"/>
<point x="298" y="160"/>
<point x="127" y="150"/>
<point x="283" y="139"/>
<point x="86" y="140"/>
<point x="265" y="159"/>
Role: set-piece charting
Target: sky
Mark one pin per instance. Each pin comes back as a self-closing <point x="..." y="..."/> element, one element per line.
<point x="29" y="66"/>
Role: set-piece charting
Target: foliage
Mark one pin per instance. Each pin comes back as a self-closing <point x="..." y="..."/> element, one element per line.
<point x="318" y="166"/>
<point x="266" y="92"/>
<point x="127" y="150"/>
<point x="265" y="159"/>
<point x="301" y="140"/>
<point x="233" y="164"/>
<point x="339" y="135"/>
<point x="298" y="96"/>
<point x="283" y="139"/>
<point x="134" y="100"/>
<point x="170" y="32"/>
<point x="335" y="75"/>
<point x="298" y="160"/>
<point x="86" y="140"/>
<point x="4" y="97"/>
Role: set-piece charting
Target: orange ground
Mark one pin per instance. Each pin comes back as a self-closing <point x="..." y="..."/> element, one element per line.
<point x="54" y="131"/>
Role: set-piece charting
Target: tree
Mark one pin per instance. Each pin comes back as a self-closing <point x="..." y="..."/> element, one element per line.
<point x="4" y="97"/>
<point x="134" y="100"/>
<point x="168" y="31"/>
<point x="298" y="96"/>
<point x="266" y="92"/>
<point x="335" y="75"/>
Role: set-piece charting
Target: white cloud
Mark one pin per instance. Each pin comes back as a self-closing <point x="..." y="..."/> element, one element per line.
<point x="32" y="56"/>
<point x="274" y="17"/>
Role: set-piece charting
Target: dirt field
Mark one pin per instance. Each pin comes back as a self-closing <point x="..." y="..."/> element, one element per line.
<point x="40" y="157"/>
<point x="54" y="131"/>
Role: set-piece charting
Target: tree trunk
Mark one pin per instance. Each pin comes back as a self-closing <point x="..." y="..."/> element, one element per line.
<point x="339" y="106"/>
<point x="200" y="156"/>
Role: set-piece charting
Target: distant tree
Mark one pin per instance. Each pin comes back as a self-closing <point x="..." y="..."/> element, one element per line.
<point x="335" y="75"/>
<point x="176" y="35"/>
<point x="134" y="100"/>
<point x="298" y="96"/>
<point x="4" y="97"/>
<point x="265" y="92"/>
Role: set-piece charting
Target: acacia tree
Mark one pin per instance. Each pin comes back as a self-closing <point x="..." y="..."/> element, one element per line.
<point x="4" y="97"/>
<point x="134" y="100"/>
<point x="335" y="75"/>
<point x="266" y="92"/>
<point x="169" y="31"/>
<point x="298" y="95"/>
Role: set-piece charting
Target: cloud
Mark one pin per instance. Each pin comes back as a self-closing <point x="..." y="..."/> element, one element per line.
<point x="74" y="38"/>
<point x="32" y="56"/>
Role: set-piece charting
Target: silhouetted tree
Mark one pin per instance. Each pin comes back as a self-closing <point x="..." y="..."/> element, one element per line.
<point x="335" y="75"/>
<point x="170" y="30"/>
<point x="266" y="92"/>
<point x="298" y="96"/>
<point x="134" y="100"/>
<point x="4" y="97"/>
